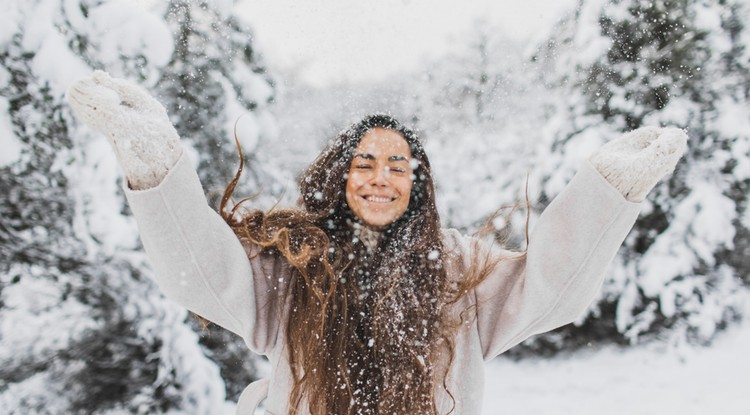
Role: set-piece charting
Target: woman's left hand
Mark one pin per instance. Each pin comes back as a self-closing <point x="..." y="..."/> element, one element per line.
<point x="636" y="161"/>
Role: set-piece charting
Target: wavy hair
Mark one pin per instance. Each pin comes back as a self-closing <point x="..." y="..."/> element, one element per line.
<point x="365" y="327"/>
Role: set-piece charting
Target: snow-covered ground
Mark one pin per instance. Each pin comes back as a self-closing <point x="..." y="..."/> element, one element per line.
<point x="653" y="379"/>
<point x="642" y="380"/>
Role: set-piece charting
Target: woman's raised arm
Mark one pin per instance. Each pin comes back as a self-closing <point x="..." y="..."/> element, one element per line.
<point x="198" y="261"/>
<point x="574" y="241"/>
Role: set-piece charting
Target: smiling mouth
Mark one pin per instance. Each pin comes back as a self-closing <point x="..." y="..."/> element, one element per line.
<point x="379" y="199"/>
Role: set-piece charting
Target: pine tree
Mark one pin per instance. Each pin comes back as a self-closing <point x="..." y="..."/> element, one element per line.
<point x="84" y="328"/>
<point x="625" y="64"/>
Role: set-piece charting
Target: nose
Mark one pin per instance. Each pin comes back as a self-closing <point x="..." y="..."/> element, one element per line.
<point x="380" y="177"/>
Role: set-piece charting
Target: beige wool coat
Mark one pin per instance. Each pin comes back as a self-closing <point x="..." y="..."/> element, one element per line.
<point x="201" y="264"/>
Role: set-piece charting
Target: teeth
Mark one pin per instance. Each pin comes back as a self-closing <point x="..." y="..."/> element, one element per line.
<point x="378" y="199"/>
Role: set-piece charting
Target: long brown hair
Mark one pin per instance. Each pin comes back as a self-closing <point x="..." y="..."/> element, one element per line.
<point x="364" y="327"/>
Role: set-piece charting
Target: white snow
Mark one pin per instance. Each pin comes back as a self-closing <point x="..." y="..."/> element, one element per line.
<point x="705" y="217"/>
<point x="732" y="121"/>
<point x="96" y="226"/>
<point x="5" y="77"/>
<point x="223" y="8"/>
<point x="589" y="43"/>
<point x="708" y="18"/>
<point x="36" y="23"/>
<point x="254" y="87"/>
<point x="654" y="379"/>
<point x="8" y="22"/>
<point x="25" y="314"/>
<point x="54" y="62"/>
<point x="123" y="30"/>
<point x="10" y="144"/>
<point x="245" y="122"/>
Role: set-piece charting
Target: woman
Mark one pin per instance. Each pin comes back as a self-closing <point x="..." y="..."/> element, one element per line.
<point x="361" y="302"/>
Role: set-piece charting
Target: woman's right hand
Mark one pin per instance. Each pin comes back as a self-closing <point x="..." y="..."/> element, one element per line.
<point x="136" y="124"/>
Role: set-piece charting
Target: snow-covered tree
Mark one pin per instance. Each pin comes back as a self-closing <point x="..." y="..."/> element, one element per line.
<point x="619" y="65"/>
<point x="83" y="328"/>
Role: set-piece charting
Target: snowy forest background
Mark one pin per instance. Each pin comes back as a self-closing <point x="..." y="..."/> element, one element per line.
<point x="83" y="328"/>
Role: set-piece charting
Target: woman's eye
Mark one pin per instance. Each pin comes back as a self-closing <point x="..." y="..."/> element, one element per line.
<point x="363" y="166"/>
<point x="397" y="170"/>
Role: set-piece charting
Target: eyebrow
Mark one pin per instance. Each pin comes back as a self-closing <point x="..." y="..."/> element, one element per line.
<point x="368" y="156"/>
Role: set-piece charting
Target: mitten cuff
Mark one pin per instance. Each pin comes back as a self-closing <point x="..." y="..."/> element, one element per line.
<point x="634" y="183"/>
<point x="146" y="162"/>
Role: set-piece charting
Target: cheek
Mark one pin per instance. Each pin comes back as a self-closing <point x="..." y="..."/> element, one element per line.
<point x="349" y="185"/>
<point x="354" y="181"/>
<point x="405" y="190"/>
<point x="352" y="184"/>
<point x="406" y="186"/>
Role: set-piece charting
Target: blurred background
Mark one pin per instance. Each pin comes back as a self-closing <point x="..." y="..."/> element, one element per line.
<point x="501" y="92"/>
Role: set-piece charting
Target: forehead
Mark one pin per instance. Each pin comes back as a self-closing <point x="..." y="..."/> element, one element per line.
<point x="383" y="142"/>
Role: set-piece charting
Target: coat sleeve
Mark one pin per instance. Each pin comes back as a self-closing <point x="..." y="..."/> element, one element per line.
<point x="570" y="248"/>
<point x="199" y="262"/>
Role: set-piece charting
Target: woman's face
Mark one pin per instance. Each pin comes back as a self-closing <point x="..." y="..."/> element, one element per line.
<point x="379" y="183"/>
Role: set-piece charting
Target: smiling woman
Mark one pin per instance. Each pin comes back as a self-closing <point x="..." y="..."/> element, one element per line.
<point x="366" y="244"/>
<point x="361" y="302"/>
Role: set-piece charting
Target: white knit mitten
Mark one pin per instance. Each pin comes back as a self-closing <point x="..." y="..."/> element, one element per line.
<point x="136" y="124"/>
<point x="636" y="161"/>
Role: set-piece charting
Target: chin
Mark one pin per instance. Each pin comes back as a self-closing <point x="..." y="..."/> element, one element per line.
<point x="377" y="223"/>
